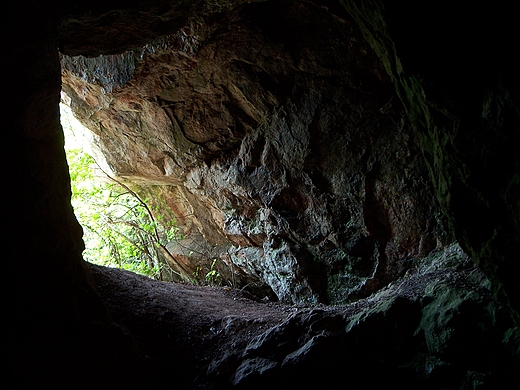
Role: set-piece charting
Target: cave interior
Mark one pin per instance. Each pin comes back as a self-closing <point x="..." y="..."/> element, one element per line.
<point x="353" y="165"/>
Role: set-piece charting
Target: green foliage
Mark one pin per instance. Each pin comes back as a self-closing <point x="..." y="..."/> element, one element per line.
<point x="213" y="276"/>
<point x="119" y="229"/>
<point x="124" y="226"/>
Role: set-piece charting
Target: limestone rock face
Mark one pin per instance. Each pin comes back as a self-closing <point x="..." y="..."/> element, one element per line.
<point x="303" y="171"/>
<point x="427" y="316"/>
<point x="438" y="327"/>
<point x="469" y="130"/>
<point x="271" y="131"/>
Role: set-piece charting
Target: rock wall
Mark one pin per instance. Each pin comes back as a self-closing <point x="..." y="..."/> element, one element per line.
<point x="459" y="84"/>
<point x="438" y="326"/>
<point x="273" y="132"/>
<point x="55" y="324"/>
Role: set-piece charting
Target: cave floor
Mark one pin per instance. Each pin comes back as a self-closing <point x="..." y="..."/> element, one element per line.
<point x="195" y="337"/>
<point x="181" y="328"/>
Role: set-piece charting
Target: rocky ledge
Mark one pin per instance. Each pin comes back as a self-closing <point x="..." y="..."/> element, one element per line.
<point x="271" y="132"/>
<point x="436" y="327"/>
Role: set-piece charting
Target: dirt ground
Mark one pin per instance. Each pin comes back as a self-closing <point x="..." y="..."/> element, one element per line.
<point x="193" y="337"/>
<point x="182" y="329"/>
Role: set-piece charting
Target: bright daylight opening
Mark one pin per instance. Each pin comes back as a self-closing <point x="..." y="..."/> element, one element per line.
<point x="119" y="228"/>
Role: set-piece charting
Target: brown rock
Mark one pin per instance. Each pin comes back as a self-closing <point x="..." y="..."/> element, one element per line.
<point x="287" y="145"/>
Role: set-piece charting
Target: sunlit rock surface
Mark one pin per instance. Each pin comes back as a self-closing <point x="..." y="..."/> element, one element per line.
<point x="278" y="140"/>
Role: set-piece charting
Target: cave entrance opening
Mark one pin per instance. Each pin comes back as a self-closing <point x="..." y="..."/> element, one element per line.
<point x="119" y="229"/>
<point x="130" y="225"/>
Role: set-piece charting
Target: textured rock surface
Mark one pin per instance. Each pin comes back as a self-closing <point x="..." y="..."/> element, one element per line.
<point x="436" y="326"/>
<point x="282" y="142"/>
<point x="469" y="130"/>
